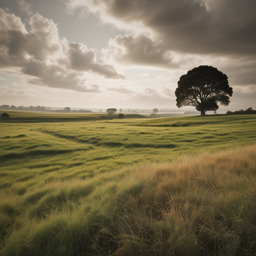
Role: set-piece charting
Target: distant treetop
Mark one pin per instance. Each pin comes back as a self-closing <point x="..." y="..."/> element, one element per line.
<point x="111" y="111"/>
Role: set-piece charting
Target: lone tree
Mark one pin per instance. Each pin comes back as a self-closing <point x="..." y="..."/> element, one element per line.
<point x="67" y="109"/>
<point x="111" y="111"/>
<point x="155" y="111"/>
<point x="203" y="87"/>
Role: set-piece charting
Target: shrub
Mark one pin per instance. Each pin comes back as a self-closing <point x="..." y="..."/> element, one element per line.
<point x="120" y="116"/>
<point x="5" y="115"/>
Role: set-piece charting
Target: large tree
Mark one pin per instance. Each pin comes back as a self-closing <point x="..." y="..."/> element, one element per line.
<point x="203" y="87"/>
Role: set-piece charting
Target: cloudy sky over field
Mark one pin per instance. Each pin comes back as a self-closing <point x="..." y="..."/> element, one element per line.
<point x="120" y="53"/>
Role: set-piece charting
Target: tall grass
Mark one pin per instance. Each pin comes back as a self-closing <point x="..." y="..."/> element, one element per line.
<point x="194" y="206"/>
<point x="174" y="186"/>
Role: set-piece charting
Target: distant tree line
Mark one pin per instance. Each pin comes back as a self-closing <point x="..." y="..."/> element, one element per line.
<point x="12" y="107"/>
<point x="41" y="108"/>
<point x="242" y="112"/>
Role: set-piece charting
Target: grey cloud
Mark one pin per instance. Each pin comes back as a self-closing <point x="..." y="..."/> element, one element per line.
<point x="16" y="44"/>
<point x="194" y="26"/>
<point x="25" y="6"/>
<point x="10" y="22"/>
<point x="56" y="77"/>
<point x="121" y="90"/>
<point x="37" y="52"/>
<point x="82" y="59"/>
<point x="241" y="71"/>
<point x="168" y="92"/>
<point x="34" y="68"/>
<point x="139" y="50"/>
<point x="200" y="28"/>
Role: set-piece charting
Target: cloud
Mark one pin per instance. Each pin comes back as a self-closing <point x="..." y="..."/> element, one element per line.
<point x="56" y="76"/>
<point x="195" y="26"/>
<point x="121" y="90"/>
<point x="243" y="98"/>
<point x="241" y="71"/>
<point x="25" y="7"/>
<point x="151" y="98"/>
<point x="168" y="92"/>
<point x="50" y="60"/>
<point x="139" y="50"/>
<point x="82" y="59"/>
<point x="194" y="30"/>
<point x="17" y="45"/>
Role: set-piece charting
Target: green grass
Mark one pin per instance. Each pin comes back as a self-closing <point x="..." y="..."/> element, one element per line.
<point x="39" y="117"/>
<point x="86" y="186"/>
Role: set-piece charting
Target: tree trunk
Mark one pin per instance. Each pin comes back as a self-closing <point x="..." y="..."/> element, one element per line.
<point x="202" y="113"/>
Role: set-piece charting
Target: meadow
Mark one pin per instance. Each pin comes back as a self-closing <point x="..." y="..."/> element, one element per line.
<point x="82" y="184"/>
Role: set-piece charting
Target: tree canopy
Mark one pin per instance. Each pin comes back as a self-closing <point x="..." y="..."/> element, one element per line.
<point x="155" y="110"/>
<point x="111" y="111"/>
<point x="67" y="109"/>
<point x="5" y="115"/>
<point x="203" y="87"/>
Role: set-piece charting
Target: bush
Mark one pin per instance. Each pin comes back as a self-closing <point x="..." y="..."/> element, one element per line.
<point x="120" y="116"/>
<point x="5" y="115"/>
<point x="241" y="112"/>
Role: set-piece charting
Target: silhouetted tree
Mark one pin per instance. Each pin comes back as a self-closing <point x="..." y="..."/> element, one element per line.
<point x="67" y="109"/>
<point x="249" y="109"/>
<point x="155" y="111"/>
<point x="120" y="116"/>
<point x="203" y="87"/>
<point x="5" y="115"/>
<point x="120" y="110"/>
<point x="111" y="111"/>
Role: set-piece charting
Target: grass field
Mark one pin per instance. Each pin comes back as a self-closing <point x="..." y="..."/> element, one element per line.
<point x="74" y="184"/>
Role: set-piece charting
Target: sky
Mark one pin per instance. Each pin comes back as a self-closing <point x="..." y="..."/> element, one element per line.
<point x="120" y="53"/>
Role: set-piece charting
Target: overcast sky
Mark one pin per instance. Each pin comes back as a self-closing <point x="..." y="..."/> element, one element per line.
<point x="120" y="53"/>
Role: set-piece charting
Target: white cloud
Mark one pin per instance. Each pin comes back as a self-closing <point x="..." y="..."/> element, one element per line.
<point x="82" y="59"/>
<point x="43" y="55"/>
<point x="121" y="90"/>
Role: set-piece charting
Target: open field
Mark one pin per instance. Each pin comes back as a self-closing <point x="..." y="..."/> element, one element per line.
<point x="73" y="184"/>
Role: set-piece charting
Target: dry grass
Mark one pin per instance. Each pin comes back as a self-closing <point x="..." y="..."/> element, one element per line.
<point x="194" y="206"/>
